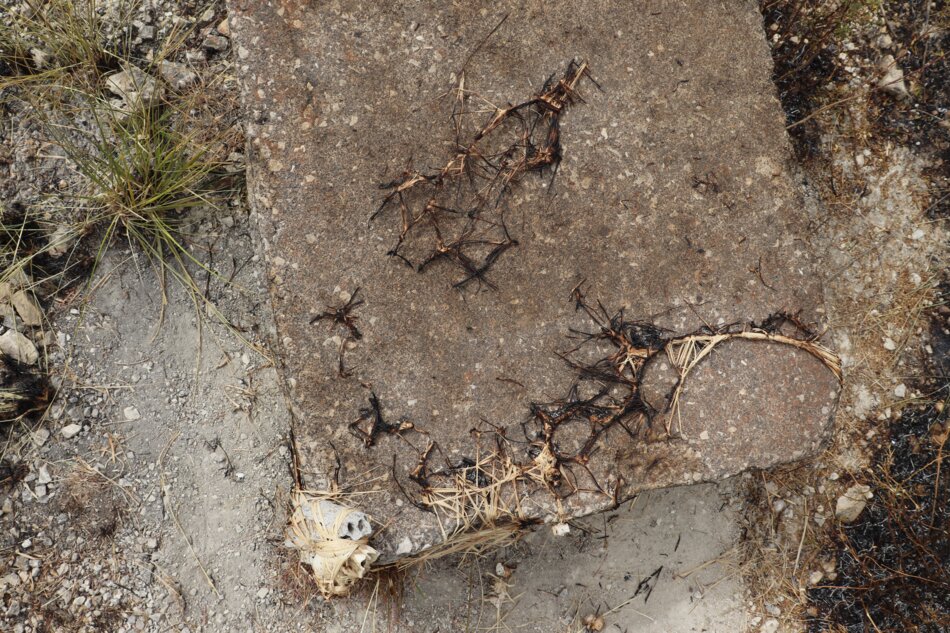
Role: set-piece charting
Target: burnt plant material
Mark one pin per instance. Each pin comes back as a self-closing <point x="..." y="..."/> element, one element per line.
<point x="457" y="213"/>
<point x="375" y="424"/>
<point x="893" y="569"/>
<point x="806" y="61"/>
<point x="804" y="64"/>
<point x="342" y="315"/>
<point x="553" y="446"/>
<point x="921" y="33"/>
<point x="23" y="391"/>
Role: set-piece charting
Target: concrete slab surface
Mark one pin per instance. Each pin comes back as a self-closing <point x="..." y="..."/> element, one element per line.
<point x="673" y="201"/>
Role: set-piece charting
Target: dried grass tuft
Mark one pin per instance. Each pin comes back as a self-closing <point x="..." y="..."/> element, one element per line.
<point x="336" y="563"/>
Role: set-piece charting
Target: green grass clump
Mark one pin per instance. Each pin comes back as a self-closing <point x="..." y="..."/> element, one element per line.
<point x="145" y="159"/>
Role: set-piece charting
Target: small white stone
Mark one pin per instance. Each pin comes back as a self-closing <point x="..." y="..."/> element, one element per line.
<point x="889" y="344"/>
<point x="131" y="414"/>
<point x="561" y="529"/>
<point x="40" y="436"/>
<point x="18" y="347"/>
<point x="43" y="476"/>
<point x="900" y="390"/>
<point x="815" y="577"/>
<point x="851" y="504"/>
<point x="70" y="431"/>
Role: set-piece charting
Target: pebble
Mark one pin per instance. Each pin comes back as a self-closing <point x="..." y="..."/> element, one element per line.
<point x="892" y="78"/>
<point x="131" y="414"/>
<point x="134" y="86"/>
<point x="18" y="347"/>
<point x="27" y="309"/>
<point x="900" y="390"/>
<point x="40" y="436"/>
<point x="70" y="431"/>
<point x="43" y="476"/>
<point x="177" y="75"/>
<point x="561" y="529"/>
<point x="889" y="344"/>
<point x="769" y="626"/>
<point x="851" y="504"/>
<point x="217" y="43"/>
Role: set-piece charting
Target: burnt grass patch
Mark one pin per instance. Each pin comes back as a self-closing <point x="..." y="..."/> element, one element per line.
<point x="894" y="561"/>
<point x="810" y="62"/>
<point x="893" y="569"/>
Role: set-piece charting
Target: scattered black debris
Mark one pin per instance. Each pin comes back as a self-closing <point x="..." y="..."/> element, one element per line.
<point x="647" y="584"/>
<point x="24" y="391"/>
<point x="557" y="440"/>
<point x="12" y="473"/>
<point x="457" y="213"/>
<point x="807" y="38"/>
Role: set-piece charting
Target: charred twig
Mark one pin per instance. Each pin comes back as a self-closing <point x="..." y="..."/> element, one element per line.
<point x="343" y="315"/>
<point x="377" y="423"/>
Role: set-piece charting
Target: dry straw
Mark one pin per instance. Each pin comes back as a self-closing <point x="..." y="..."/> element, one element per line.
<point x="336" y="562"/>
<point x="687" y="352"/>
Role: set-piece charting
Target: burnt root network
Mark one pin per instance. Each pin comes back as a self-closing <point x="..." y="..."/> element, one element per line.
<point x="553" y="447"/>
<point x="457" y="214"/>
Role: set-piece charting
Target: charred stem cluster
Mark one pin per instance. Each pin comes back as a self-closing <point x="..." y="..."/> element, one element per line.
<point x="558" y="439"/>
<point x="342" y="315"/>
<point x="457" y="213"/>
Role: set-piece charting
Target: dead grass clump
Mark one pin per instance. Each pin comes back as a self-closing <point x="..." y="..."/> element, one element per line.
<point x="457" y="213"/>
<point x="146" y="151"/>
<point x="318" y="529"/>
<point x="93" y="501"/>
<point x="62" y="35"/>
<point x="477" y="504"/>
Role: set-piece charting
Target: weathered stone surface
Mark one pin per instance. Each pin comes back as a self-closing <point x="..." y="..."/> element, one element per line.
<point x="674" y="200"/>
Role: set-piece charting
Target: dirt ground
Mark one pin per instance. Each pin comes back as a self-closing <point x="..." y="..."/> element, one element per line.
<point x="165" y="511"/>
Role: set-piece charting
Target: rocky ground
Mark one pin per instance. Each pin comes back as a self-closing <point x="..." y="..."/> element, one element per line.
<point x="152" y="494"/>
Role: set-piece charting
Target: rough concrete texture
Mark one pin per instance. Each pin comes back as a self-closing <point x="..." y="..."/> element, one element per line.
<point x="673" y="200"/>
